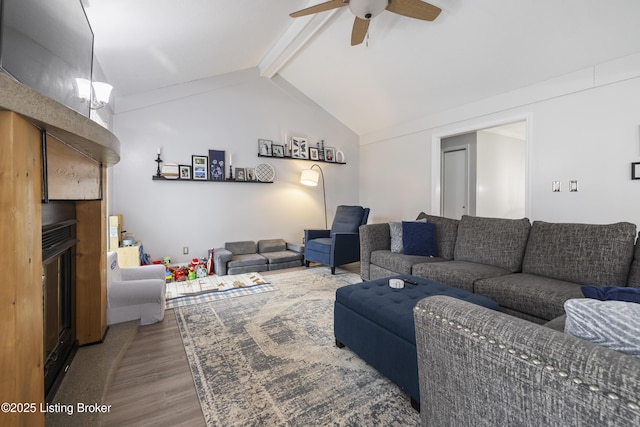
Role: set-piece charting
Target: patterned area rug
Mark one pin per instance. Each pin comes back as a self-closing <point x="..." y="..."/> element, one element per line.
<point x="270" y="360"/>
<point x="213" y="288"/>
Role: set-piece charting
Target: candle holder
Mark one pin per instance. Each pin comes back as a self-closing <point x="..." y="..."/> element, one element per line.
<point x="230" y="172"/>
<point x="158" y="161"/>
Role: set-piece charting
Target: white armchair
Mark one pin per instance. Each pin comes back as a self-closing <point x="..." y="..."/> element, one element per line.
<point x="135" y="293"/>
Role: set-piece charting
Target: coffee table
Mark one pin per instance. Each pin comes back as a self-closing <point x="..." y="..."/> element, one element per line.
<point x="375" y="321"/>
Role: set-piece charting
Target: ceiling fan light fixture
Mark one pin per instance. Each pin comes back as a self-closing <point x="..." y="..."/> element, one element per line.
<point x="367" y="9"/>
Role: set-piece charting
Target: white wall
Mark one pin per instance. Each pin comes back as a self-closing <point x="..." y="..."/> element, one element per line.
<point x="500" y="178"/>
<point x="584" y="126"/>
<point x="228" y="113"/>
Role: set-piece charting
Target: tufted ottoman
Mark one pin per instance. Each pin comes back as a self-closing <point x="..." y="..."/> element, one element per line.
<point x="376" y="322"/>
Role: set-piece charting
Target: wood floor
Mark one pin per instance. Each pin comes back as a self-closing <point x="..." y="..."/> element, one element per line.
<point x="153" y="385"/>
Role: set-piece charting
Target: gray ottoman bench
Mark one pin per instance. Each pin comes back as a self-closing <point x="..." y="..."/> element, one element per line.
<point x="376" y="322"/>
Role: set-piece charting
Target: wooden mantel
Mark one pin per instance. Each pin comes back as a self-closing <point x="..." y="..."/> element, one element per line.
<point x="24" y="114"/>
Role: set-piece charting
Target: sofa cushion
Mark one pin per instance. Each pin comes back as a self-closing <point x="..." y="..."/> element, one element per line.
<point x="322" y="245"/>
<point x="446" y="233"/>
<point x="271" y="245"/>
<point x="538" y="296"/>
<point x="459" y="274"/>
<point x="588" y="254"/>
<point x="612" y="324"/>
<point x="241" y="248"/>
<point x="282" y="257"/>
<point x="399" y="263"/>
<point x="419" y="238"/>
<point x="494" y="241"/>
<point x="557" y="324"/>
<point x="246" y="260"/>
<point x="612" y="293"/>
<point x="395" y="233"/>
<point x="347" y="219"/>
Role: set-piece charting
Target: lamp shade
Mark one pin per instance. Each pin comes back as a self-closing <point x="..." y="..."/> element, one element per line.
<point x="309" y="177"/>
<point x="84" y="88"/>
<point x="102" y="91"/>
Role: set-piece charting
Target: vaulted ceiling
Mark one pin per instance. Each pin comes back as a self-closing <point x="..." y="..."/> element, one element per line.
<point x="406" y="68"/>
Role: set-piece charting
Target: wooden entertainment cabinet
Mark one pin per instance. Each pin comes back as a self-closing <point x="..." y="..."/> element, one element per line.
<point x="47" y="152"/>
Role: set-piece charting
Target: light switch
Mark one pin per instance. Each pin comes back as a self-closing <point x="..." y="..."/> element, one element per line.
<point x="573" y="186"/>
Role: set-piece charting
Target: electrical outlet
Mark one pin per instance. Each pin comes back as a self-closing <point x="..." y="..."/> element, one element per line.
<point x="555" y="186"/>
<point x="185" y="250"/>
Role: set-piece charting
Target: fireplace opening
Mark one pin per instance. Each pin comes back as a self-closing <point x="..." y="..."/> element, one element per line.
<point x="58" y="298"/>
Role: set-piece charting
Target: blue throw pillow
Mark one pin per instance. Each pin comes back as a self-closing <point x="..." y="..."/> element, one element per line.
<point x="612" y="293"/>
<point x="419" y="238"/>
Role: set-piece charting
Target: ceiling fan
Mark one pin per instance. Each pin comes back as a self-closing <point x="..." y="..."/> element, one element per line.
<point x="364" y="10"/>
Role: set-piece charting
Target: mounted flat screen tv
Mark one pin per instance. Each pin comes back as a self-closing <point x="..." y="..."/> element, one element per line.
<point x="46" y="45"/>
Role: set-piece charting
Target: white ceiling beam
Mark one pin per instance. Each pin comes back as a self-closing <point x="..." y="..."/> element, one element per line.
<point x="295" y="38"/>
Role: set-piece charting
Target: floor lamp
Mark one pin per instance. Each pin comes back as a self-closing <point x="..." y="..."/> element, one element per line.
<point x="310" y="177"/>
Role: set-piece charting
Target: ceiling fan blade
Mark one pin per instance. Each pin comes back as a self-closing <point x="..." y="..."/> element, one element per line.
<point x="333" y="4"/>
<point x="360" y="27"/>
<point x="414" y="9"/>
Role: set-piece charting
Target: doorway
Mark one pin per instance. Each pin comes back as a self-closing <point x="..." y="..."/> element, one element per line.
<point x="483" y="172"/>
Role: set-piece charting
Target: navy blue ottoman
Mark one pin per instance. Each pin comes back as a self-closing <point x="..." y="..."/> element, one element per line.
<point x="376" y="322"/>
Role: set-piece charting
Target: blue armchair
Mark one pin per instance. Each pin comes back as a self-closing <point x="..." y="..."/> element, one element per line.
<point x="341" y="244"/>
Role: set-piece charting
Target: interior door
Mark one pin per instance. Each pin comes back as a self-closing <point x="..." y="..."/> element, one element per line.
<point x="455" y="183"/>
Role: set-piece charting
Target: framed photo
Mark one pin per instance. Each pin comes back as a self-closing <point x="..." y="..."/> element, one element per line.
<point x="330" y="154"/>
<point x="299" y="148"/>
<point x="200" y="165"/>
<point x="313" y="153"/>
<point x="185" y="172"/>
<point x="264" y="147"/>
<point x="277" y="150"/>
<point x="251" y="174"/>
<point x="240" y="174"/>
<point x="216" y="165"/>
<point x="635" y="170"/>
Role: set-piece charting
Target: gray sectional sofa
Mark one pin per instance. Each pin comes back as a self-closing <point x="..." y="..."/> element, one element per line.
<point x="530" y="270"/>
<point x="248" y="257"/>
<point x="479" y="367"/>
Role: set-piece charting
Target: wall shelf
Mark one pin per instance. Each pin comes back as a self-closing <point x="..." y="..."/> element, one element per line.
<point x="162" y="178"/>
<point x="296" y="158"/>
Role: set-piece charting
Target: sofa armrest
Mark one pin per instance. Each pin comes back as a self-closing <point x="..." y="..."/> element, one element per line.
<point x="134" y="292"/>
<point x="221" y="257"/>
<point x="154" y="271"/>
<point x="346" y="248"/>
<point x="373" y="237"/>
<point x="475" y="363"/>
<point x="295" y="247"/>
<point x="315" y="234"/>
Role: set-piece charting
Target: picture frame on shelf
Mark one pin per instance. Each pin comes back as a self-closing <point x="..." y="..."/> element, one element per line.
<point x="240" y="174"/>
<point x="313" y="153"/>
<point x="185" y="172"/>
<point x="264" y="147"/>
<point x="217" y="165"/>
<point x="277" y="150"/>
<point x="251" y="174"/>
<point x="299" y="148"/>
<point x="329" y="154"/>
<point x="200" y="165"/>
<point x="339" y="157"/>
